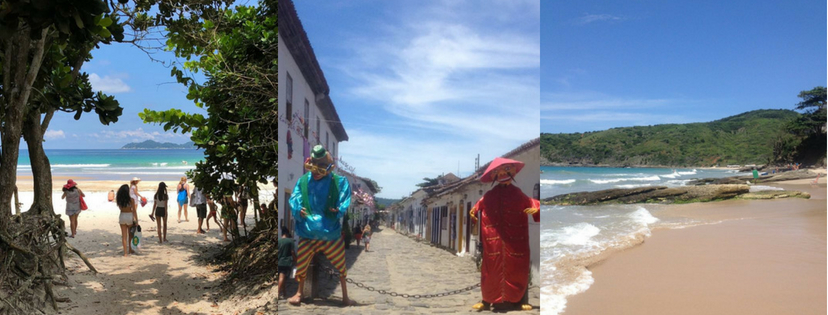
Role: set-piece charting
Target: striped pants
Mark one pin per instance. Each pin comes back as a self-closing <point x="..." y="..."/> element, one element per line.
<point x="333" y="250"/>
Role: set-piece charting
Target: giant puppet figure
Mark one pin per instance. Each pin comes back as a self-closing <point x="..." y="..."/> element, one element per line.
<point x="504" y="232"/>
<point x="319" y="201"/>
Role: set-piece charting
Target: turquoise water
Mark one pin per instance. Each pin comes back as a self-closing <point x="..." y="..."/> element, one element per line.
<point x="117" y="164"/>
<point x="572" y="237"/>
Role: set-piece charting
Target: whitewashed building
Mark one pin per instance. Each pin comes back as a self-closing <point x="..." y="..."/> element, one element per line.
<point x="307" y="115"/>
<point x="448" y="223"/>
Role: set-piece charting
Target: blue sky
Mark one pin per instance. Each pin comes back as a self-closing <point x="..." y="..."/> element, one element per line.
<point x="137" y="82"/>
<point x="423" y="87"/>
<point x="628" y="63"/>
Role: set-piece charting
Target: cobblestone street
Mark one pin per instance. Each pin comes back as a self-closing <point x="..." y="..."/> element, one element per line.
<point x="399" y="264"/>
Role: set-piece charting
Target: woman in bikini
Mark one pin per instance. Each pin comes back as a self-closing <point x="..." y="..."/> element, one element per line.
<point x="128" y="215"/>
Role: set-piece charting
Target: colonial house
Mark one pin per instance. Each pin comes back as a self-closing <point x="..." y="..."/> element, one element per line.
<point x="447" y="221"/>
<point x="307" y="115"/>
<point x="362" y="206"/>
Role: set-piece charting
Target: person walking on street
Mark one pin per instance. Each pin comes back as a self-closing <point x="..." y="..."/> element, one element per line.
<point x="366" y="236"/>
<point x="319" y="201"/>
<point x="286" y="256"/>
<point x="201" y="208"/>
<point x="358" y="234"/>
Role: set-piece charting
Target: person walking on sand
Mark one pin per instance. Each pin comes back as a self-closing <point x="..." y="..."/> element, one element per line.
<point x="160" y="203"/>
<point x="319" y="201"/>
<point x="242" y="195"/>
<point x="128" y="216"/>
<point x="228" y="212"/>
<point x="133" y="193"/>
<point x="201" y="208"/>
<point x="286" y="257"/>
<point x="183" y="191"/>
<point x="366" y="236"/>
<point x="72" y="194"/>
<point x="212" y="214"/>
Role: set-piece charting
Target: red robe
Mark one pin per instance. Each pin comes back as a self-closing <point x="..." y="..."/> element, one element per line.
<point x="505" y="236"/>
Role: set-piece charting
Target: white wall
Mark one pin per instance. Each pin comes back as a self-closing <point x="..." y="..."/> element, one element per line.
<point x="291" y="169"/>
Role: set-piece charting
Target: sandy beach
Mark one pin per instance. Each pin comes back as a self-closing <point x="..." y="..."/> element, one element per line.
<point x="169" y="278"/>
<point x="752" y="257"/>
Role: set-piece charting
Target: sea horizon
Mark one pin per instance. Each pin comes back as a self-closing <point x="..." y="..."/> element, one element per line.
<point x="116" y="164"/>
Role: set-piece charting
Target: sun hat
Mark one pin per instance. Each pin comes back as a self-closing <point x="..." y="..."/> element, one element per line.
<point x="487" y="175"/>
<point x="69" y="184"/>
<point x="136" y="179"/>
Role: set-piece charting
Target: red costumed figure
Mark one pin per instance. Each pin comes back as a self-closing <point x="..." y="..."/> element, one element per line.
<point x="504" y="232"/>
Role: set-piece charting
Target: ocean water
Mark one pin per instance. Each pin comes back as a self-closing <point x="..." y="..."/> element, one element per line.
<point x="573" y="237"/>
<point x="116" y="164"/>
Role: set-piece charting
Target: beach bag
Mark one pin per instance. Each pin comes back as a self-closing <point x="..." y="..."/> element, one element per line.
<point x="143" y="201"/>
<point x="135" y="243"/>
<point x="82" y="203"/>
<point x="192" y="199"/>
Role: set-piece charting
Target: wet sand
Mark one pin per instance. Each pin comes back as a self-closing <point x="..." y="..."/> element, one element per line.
<point x="763" y="257"/>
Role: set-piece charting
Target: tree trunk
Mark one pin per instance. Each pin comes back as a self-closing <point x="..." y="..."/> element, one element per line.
<point x="41" y="169"/>
<point x="19" y="74"/>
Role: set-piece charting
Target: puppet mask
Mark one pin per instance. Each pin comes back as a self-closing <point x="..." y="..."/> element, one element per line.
<point x="504" y="174"/>
<point x="320" y="163"/>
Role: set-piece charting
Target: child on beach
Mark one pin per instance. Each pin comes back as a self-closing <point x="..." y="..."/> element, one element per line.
<point x="286" y="256"/>
<point x="160" y="210"/>
<point x="212" y="205"/>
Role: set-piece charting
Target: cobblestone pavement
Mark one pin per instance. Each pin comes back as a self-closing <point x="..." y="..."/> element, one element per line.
<point x="400" y="264"/>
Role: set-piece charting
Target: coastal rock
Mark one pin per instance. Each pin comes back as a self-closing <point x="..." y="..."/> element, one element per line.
<point x="791" y="175"/>
<point x="775" y="194"/>
<point x="658" y="194"/>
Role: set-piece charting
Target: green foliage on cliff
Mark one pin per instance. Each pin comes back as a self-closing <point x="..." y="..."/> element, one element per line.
<point x="747" y="138"/>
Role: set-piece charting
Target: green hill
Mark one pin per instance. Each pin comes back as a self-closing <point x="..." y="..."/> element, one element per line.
<point x="149" y="144"/>
<point x="747" y="138"/>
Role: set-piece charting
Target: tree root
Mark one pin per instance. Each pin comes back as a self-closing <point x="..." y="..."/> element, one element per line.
<point x="31" y="262"/>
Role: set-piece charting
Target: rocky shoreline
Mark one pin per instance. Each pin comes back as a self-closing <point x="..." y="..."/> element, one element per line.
<point x="701" y="190"/>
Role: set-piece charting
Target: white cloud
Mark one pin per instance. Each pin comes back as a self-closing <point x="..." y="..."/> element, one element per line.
<point x="589" y="18"/>
<point x="108" y="84"/>
<point x="398" y="168"/>
<point x="461" y="81"/>
<point x="54" y="134"/>
<point x="596" y="101"/>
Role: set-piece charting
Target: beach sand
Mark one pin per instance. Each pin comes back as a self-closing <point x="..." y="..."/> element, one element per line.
<point x="756" y="257"/>
<point x="167" y="278"/>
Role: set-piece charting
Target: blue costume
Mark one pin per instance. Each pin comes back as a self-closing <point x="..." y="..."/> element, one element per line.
<point x="317" y="225"/>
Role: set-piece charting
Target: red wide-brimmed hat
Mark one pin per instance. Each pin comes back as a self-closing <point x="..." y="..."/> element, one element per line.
<point x="487" y="175"/>
<point x="69" y="184"/>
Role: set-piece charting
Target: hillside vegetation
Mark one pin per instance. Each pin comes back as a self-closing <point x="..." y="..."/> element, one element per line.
<point x="747" y="138"/>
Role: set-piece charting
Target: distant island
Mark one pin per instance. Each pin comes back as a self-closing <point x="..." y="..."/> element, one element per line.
<point x="149" y="144"/>
<point x="747" y="138"/>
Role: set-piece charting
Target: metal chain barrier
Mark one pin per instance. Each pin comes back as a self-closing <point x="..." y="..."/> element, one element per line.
<point x="333" y="273"/>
